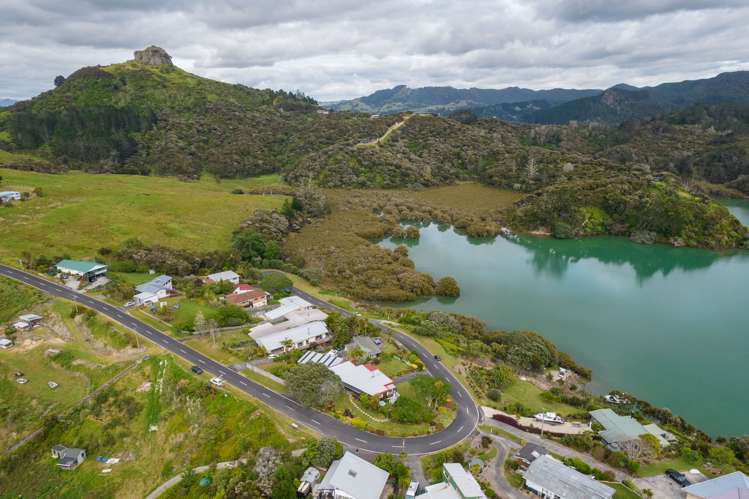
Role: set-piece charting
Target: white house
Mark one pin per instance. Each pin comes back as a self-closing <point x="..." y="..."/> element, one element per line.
<point x="288" y="305"/>
<point x="8" y="196"/>
<point x="301" y="337"/>
<point x="366" y="379"/>
<point x="226" y="276"/>
<point x="458" y="484"/>
<point x="153" y="290"/>
<point x="351" y="477"/>
<point x="32" y="320"/>
<point x="86" y="270"/>
<point x="292" y="319"/>
<point x="552" y="479"/>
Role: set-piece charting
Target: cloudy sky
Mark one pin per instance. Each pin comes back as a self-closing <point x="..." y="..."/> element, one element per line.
<point x="335" y="49"/>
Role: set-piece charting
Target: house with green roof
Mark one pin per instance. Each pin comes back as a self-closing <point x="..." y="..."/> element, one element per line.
<point x="617" y="430"/>
<point x="81" y="268"/>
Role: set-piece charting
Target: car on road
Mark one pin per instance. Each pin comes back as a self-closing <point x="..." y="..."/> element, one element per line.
<point x="196" y="370"/>
<point x="437" y="358"/>
<point x="217" y="381"/>
<point x="677" y="477"/>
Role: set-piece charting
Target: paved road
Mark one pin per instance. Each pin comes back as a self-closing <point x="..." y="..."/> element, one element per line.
<point x="466" y="420"/>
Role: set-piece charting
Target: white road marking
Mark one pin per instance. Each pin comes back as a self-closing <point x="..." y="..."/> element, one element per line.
<point x="461" y="428"/>
<point x="183" y="351"/>
<point x="460" y="394"/>
<point x="360" y="440"/>
<point x="266" y="395"/>
<point x="435" y="443"/>
<point x="289" y="407"/>
<point x="315" y="421"/>
<point x="243" y="383"/>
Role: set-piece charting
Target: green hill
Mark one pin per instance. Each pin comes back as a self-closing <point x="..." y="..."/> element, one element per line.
<point x="148" y="117"/>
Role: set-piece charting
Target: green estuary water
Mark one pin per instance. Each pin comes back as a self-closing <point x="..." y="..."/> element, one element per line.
<point x="669" y="325"/>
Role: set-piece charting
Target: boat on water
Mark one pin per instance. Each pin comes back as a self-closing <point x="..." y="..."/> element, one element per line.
<point x="549" y="417"/>
<point x="613" y="398"/>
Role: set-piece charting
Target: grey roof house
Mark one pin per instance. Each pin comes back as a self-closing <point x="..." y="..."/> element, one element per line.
<point x="548" y="477"/>
<point x="529" y="453"/>
<point x="731" y="486"/>
<point x="352" y="477"/>
<point x="68" y="458"/>
<point x="161" y="284"/>
<point x="619" y="429"/>
<point x="366" y="344"/>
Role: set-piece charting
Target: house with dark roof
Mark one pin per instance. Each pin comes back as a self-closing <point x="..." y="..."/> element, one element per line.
<point x="365" y="344"/>
<point x="68" y="458"/>
<point x="529" y="453"/>
<point x="731" y="486"/>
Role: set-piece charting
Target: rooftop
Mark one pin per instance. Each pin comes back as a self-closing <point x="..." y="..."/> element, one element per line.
<point x="297" y="334"/>
<point x="251" y="294"/>
<point x="227" y="275"/>
<point x="464" y="480"/>
<point x="530" y="452"/>
<point x="363" y="378"/>
<point x="288" y="304"/>
<point x="731" y="486"/>
<point x="154" y="285"/>
<point x="355" y="477"/>
<point x="617" y="428"/>
<point x="564" y="481"/>
<point x="79" y="265"/>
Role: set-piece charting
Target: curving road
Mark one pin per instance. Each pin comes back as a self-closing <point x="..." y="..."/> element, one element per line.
<point x="465" y="421"/>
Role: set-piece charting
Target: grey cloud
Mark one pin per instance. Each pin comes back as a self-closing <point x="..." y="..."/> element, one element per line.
<point x="344" y="48"/>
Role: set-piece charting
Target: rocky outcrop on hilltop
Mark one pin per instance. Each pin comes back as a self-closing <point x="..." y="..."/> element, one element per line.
<point x="153" y="55"/>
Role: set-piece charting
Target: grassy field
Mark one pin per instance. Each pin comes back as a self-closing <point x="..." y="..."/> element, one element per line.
<point x="660" y="466"/>
<point x="15" y="298"/>
<point x="623" y="492"/>
<point x="470" y="198"/>
<point x="80" y="213"/>
<point x="194" y="424"/>
<point x="501" y="433"/>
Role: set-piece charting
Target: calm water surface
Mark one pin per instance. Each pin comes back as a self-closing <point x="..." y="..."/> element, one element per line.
<point x="668" y="325"/>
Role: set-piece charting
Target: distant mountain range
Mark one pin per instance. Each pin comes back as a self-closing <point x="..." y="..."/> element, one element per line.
<point x="445" y="100"/>
<point x="613" y="105"/>
<point x="6" y="102"/>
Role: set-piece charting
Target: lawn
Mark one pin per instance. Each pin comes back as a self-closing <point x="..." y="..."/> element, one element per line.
<point x="218" y="352"/>
<point x="80" y="212"/>
<point x="528" y="394"/>
<point x="660" y="466"/>
<point x="501" y="433"/>
<point x="16" y="298"/>
<point x="194" y="425"/>
<point x="623" y="492"/>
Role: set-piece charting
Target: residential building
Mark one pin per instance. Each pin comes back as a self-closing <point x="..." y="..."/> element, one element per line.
<point x="351" y="477"/>
<point x="145" y="298"/>
<point x="68" y="458"/>
<point x="294" y="338"/>
<point x="366" y="379"/>
<point x="8" y="196"/>
<point x="161" y="286"/>
<point x="621" y="429"/>
<point x="32" y="320"/>
<point x="366" y="345"/>
<point x="5" y="343"/>
<point x="226" y="276"/>
<point x="731" y="486"/>
<point x="458" y="484"/>
<point x="21" y="325"/>
<point x="245" y="295"/>
<point x="83" y="269"/>
<point x="529" y="453"/>
<point x="288" y="305"/>
<point x="292" y="319"/>
<point x="551" y="479"/>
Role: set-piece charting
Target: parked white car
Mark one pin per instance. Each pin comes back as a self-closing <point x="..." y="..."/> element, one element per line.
<point x="217" y="381"/>
<point x="52" y="385"/>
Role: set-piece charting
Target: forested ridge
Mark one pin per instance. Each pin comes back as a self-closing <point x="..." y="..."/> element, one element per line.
<point x="581" y="179"/>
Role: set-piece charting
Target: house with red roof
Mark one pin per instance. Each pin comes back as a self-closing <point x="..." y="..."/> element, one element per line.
<point x="245" y="295"/>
